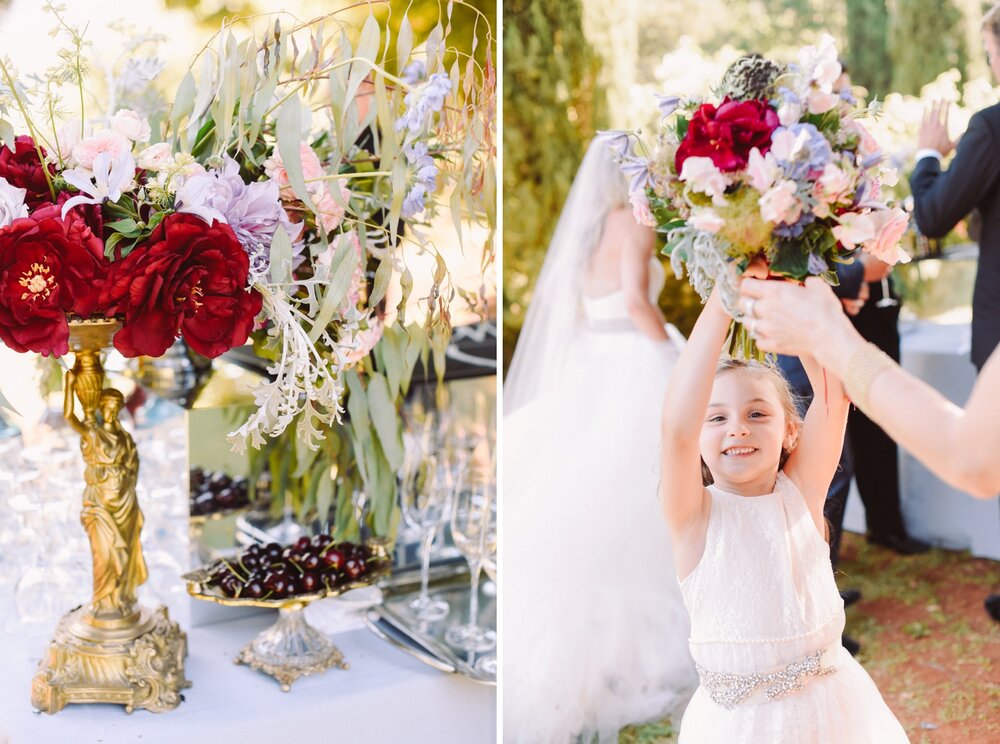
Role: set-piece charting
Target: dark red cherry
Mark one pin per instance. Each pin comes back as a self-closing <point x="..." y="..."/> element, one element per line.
<point x="354" y="568"/>
<point x="273" y="551"/>
<point x="309" y="583"/>
<point x="310" y="562"/>
<point x="254" y="589"/>
<point x="302" y="545"/>
<point x="333" y="559"/>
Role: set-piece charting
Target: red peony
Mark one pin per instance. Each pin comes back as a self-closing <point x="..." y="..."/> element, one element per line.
<point x="187" y="279"/>
<point x="47" y="270"/>
<point x="23" y="169"/>
<point x="728" y="133"/>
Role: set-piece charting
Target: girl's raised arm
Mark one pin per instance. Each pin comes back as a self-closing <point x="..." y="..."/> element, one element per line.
<point x="814" y="460"/>
<point x="681" y="490"/>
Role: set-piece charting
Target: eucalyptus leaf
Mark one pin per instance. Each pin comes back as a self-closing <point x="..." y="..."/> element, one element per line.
<point x="342" y="267"/>
<point x="7" y="136"/>
<point x="281" y="257"/>
<point x="5" y="404"/>
<point x="181" y="107"/>
<point x="381" y="284"/>
<point x="288" y="129"/>
<point x="385" y="417"/>
<point x="391" y="345"/>
<point x="324" y="493"/>
<point x="404" y="42"/>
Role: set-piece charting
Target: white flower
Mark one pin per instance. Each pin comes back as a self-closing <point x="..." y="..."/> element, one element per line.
<point x="854" y="229"/>
<point x="155" y="157"/>
<point x="68" y="135"/>
<point x="780" y="204"/>
<point x="763" y="170"/>
<point x="705" y="219"/>
<point x="111" y="176"/>
<point x="131" y="125"/>
<point x="12" y="204"/>
<point x="789" y="112"/>
<point x="702" y="176"/>
<point x="820" y="63"/>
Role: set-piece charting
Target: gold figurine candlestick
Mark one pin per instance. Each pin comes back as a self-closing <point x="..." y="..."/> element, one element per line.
<point x="111" y="650"/>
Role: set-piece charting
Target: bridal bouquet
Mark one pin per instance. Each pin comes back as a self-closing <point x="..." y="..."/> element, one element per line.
<point x="272" y="198"/>
<point x="779" y="167"/>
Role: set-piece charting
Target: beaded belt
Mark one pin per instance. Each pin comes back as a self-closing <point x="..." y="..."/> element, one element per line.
<point x="730" y="690"/>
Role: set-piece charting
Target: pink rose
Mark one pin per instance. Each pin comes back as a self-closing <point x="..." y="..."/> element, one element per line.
<point x="780" y="204"/>
<point x="312" y="169"/>
<point x="889" y="226"/>
<point x="131" y="125"/>
<point x="365" y="341"/>
<point x="329" y="214"/>
<point x="106" y="140"/>
<point x="155" y="157"/>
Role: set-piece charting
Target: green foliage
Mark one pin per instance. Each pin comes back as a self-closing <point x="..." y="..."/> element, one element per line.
<point x="550" y="97"/>
<point x="926" y="38"/>
<point x="867" y="53"/>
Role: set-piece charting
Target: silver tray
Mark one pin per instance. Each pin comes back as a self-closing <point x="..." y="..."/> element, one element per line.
<point x="394" y="622"/>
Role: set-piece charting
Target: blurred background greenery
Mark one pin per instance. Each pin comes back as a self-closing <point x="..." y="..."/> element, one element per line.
<point x="574" y="66"/>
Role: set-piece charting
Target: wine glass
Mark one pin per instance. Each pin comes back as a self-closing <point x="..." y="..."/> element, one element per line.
<point x="488" y="664"/>
<point x="887" y="299"/>
<point x="424" y="495"/>
<point x="473" y="519"/>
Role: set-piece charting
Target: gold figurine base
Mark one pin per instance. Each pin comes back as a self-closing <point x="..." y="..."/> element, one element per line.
<point x="137" y="661"/>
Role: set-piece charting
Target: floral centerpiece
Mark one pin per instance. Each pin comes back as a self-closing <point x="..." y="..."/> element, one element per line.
<point x="275" y="198"/>
<point x="779" y="168"/>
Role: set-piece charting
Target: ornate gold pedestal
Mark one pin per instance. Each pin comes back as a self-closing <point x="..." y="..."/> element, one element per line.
<point x="111" y="650"/>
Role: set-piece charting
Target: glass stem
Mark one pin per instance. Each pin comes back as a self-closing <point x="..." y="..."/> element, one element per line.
<point x="425" y="565"/>
<point x="476" y="569"/>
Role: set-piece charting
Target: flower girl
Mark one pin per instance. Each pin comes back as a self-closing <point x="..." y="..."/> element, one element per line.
<point x="743" y="489"/>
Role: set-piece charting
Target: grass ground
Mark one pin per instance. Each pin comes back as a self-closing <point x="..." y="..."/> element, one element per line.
<point x="926" y="641"/>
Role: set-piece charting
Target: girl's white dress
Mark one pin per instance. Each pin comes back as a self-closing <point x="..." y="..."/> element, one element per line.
<point x="766" y="621"/>
<point x="594" y="630"/>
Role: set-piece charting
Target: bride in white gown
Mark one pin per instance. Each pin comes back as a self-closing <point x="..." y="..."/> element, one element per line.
<point x="594" y="628"/>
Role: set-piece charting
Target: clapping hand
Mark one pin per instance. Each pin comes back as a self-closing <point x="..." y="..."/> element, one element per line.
<point x="934" y="130"/>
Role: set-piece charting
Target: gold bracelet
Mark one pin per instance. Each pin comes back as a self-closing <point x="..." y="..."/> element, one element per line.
<point x="865" y="365"/>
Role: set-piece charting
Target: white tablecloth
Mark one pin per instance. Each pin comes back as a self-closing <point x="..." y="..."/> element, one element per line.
<point x="385" y="696"/>
<point x="934" y="511"/>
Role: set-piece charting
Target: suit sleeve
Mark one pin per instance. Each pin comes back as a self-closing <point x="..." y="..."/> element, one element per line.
<point x="851" y="276"/>
<point x="942" y="198"/>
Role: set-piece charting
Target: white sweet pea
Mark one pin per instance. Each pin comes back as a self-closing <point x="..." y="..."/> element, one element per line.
<point x="763" y="170"/>
<point x="787" y="146"/>
<point x="821" y="101"/>
<point x="833" y="185"/>
<point x="781" y="204"/>
<point x="111" y="176"/>
<point x="12" y="204"/>
<point x="854" y="229"/>
<point x="128" y="123"/>
<point x="705" y="219"/>
<point x="789" y="113"/>
<point x="702" y="176"/>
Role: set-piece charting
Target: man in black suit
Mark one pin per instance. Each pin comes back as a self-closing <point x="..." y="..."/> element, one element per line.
<point x="972" y="181"/>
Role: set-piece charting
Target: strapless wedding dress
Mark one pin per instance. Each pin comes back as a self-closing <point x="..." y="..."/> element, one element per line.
<point x="594" y="628"/>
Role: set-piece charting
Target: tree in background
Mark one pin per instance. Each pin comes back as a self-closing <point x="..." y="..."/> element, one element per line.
<point x="927" y="37"/>
<point x="868" y="46"/>
<point x="552" y="107"/>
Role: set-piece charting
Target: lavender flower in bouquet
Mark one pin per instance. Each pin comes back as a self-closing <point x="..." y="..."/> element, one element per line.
<point x="779" y="167"/>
